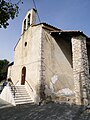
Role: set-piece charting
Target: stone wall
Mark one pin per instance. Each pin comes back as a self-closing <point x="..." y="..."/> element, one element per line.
<point x="88" y="52"/>
<point x="42" y="69"/>
<point x="80" y="69"/>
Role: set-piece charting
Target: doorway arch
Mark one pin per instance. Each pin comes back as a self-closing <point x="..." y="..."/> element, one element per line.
<point x="23" y="76"/>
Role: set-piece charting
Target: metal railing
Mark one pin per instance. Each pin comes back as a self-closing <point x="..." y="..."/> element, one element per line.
<point x="29" y="85"/>
<point x="13" y="88"/>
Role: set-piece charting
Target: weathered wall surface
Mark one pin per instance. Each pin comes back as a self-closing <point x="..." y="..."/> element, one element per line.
<point x="58" y="73"/>
<point x="28" y="56"/>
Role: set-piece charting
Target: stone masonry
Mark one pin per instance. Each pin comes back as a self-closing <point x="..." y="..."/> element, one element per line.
<point x="80" y="69"/>
<point x="42" y="69"/>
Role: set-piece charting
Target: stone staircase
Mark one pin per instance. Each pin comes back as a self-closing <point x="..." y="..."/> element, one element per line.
<point x="21" y="96"/>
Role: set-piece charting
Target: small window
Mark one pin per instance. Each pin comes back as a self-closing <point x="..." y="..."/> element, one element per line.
<point x="25" y="44"/>
<point x="24" y="24"/>
<point x="28" y="20"/>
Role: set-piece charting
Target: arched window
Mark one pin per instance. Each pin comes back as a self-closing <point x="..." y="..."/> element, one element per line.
<point x="25" y="25"/>
<point x="28" y="20"/>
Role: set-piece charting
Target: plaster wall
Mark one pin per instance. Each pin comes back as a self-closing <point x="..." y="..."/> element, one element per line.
<point x="28" y="56"/>
<point x="66" y="47"/>
<point x="6" y="95"/>
<point x="58" y="71"/>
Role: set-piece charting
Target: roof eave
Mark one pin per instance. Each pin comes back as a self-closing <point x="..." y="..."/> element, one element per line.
<point x="72" y="33"/>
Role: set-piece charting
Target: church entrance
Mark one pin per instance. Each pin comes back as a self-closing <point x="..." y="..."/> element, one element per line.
<point x="23" y="76"/>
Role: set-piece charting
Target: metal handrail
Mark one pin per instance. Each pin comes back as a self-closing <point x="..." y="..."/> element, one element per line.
<point x="29" y="85"/>
<point x="16" y="82"/>
<point x="13" y="87"/>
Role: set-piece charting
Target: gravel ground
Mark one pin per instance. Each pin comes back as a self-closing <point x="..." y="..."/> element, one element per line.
<point x="49" y="111"/>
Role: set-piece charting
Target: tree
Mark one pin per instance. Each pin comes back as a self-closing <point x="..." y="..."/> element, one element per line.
<point x="3" y="69"/>
<point x="8" y="10"/>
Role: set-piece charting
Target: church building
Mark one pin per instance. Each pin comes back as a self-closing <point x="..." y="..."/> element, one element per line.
<point x="50" y="63"/>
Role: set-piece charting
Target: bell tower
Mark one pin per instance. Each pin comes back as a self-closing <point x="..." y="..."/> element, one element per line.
<point x="30" y="19"/>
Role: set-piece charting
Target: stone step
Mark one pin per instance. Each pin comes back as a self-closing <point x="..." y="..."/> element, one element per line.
<point x="18" y="92"/>
<point x="21" y="92"/>
<point x="24" y="95"/>
<point x="20" y="101"/>
<point x="18" y="87"/>
<point x="16" y="96"/>
<point x="24" y="99"/>
<point x="21" y="95"/>
<point x="21" y="98"/>
<point x="23" y="102"/>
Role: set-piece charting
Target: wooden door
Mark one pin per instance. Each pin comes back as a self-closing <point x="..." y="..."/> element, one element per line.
<point x="23" y="76"/>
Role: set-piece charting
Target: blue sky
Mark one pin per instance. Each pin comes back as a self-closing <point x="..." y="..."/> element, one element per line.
<point x="64" y="14"/>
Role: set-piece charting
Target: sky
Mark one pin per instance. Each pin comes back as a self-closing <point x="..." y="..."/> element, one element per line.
<point x="63" y="14"/>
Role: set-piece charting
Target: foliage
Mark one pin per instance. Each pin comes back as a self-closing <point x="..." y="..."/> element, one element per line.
<point x="3" y="69"/>
<point x="8" y="10"/>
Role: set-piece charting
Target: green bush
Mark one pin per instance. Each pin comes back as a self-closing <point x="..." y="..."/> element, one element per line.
<point x="3" y="69"/>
